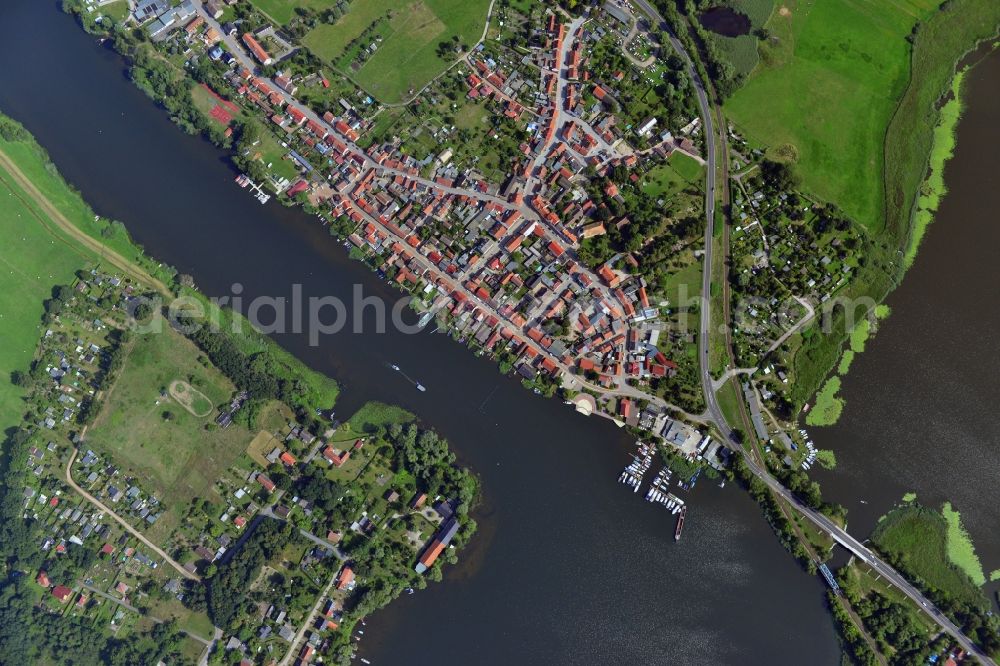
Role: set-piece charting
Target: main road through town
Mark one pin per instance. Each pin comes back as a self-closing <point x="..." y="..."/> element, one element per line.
<point x="715" y="413"/>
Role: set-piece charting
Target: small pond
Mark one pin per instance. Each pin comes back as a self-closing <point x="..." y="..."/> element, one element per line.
<point x="725" y="21"/>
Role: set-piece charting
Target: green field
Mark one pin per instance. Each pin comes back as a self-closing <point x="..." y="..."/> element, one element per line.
<point x="740" y="51"/>
<point x="918" y="538"/>
<point x="826" y="89"/>
<point x="678" y="173"/>
<point x="683" y="287"/>
<point x="407" y="57"/>
<point x="176" y="457"/>
<point x="729" y="397"/>
<point x="116" y="11"/>
<point x="283" y="10"/>
<point x="375" y="414"/>
<point x="35" y="257"/>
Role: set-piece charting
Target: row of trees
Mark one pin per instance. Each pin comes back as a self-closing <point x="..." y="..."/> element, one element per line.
<point x="772" y="512"/>
<point x="851" y="637"/>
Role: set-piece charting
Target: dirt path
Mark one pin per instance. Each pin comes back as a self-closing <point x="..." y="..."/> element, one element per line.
<point x="131" y="530"/>
<point x="65" y="225"/>
<point x="178" y="391"/>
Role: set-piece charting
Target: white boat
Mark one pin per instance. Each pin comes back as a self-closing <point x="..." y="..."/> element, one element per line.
<point x="420" y="387"/>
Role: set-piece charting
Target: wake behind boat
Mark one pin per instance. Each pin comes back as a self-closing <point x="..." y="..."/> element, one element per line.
<point x="418" y="385"/>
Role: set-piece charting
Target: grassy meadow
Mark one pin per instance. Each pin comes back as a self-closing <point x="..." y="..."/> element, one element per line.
<point x="827" y="86"/>
<point x="917" y="537"/>
<point x="373" y="415"/>
<point x="676" y="175"/>
<point x="407" y="57"/>
<point x="283" y="10"/>
<point x="34" y="258"/>
<point x="909" y="140"/>
<point x="174" y="452"/>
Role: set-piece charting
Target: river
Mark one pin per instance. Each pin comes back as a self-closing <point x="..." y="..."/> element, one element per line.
<point x="568" y="566"/>
<point x="921" y="413"/>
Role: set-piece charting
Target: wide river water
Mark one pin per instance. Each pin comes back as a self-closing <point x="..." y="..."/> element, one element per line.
<point x="568" y="567"/>
<point x="921" y="412"/>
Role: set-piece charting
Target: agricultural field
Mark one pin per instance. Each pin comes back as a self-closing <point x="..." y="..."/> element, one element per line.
<point x="829" y="81"/>
<point x="407" y="40"/>
<point x="178" y="452"/>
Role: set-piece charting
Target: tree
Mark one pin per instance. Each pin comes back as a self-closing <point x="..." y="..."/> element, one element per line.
<point x="779" y="175"/>
<point x="142" y="311"/>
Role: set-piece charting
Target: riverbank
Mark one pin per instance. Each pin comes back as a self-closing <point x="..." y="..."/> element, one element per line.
<point x="829" y="405"/>
<point x="65" y="217"/>
<point x="935" y="50"/>
<point x="933" y="187"/>
<point x="939" y="46"/>
<point x="171" y="440"/>
<point x="919" y="420"/>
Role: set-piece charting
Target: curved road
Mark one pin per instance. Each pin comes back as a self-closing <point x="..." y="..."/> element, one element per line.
<point x="708" y="130"/>
<point x="714" y="412"/>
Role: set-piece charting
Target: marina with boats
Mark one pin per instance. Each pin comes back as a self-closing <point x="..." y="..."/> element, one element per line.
<point x="244" y="181"/>
<point x="659" y="489"/>
<point x="636" y="470"/>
